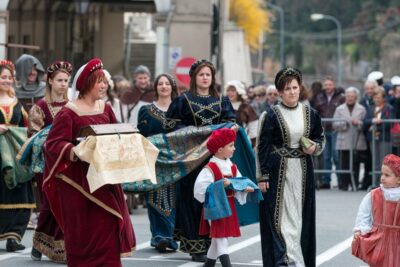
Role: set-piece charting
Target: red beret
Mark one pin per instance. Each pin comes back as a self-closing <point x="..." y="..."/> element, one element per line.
<point x="220" y="138"/>
<point x="91" y="66"/>
<point x="393" y="162"/>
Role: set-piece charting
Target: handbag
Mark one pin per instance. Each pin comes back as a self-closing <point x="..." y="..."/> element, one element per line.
<point x="395" y="134"/>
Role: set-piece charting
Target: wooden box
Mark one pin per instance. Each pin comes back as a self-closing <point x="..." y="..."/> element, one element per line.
<point x="102" y="129"/>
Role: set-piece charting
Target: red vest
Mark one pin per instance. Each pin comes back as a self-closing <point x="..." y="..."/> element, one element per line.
<point x="225" y="227"/>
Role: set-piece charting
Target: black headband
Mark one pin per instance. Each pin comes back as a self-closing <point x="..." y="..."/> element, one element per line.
<point x="286" y="72"/>
<point x="198" y="63"/>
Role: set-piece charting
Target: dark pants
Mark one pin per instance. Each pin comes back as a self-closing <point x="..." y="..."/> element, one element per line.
<point x="365" y="157"/>
<point x="345" y="178"/>
<point x="330" y="154"/>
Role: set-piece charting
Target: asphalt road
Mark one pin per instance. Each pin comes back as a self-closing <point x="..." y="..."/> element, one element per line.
<point x="336" y="211"/>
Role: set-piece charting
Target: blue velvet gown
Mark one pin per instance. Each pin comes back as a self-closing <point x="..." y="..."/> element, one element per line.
<point x="287" y="213"/>
<point x="160" y="202"/>
<point x="189" y="109"/>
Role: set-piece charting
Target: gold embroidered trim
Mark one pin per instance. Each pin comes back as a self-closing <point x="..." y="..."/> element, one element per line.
<point x="192" y="246"/>
<point x="57" y="162"/>
<point x="89" y="196"/>
<point x="76" y="110"/>
<point x="209" y="107"/>
<point x="261" y="121"/>
<point x="127" y="254"/>
<point x="159" y="115"/>
<point x="190" y="106"/>
<point x="280" y="196"/>
<point x="18" y="206"/>
<point x="7" y="118"/>
<point x="47" y="245"/>
<point x="307" y="120"/>
<point x="304" y="179"/>
<point x="282" y="125"/>
<point x="11" y="235"/>
<point x="163" y="197"/>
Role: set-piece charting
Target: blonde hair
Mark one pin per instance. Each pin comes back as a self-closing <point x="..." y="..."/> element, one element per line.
<point x="260" y="89"/>
<point x="10" y="92"/>
<point x="380" y="91"/>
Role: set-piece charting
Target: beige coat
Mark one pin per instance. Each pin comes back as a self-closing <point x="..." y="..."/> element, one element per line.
<point x="349" y="134"/>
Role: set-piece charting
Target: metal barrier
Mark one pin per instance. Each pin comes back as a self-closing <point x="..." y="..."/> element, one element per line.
<point x="377" y="147"/>
<point x="388" y="147"/>
<point x="337" y="169"/>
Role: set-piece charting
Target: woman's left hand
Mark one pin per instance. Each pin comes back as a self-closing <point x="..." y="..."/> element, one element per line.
<point x="235" y="127"/>
<point x="310" y="150"/>
<point x="3" y="129"/>
<point x="249" y="189"/>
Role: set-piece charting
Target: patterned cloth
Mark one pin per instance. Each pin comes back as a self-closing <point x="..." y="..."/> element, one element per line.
<point x="184" y="150"/>
<point x="31" y="153"/>
<point x="10" y="143"/>
<point x="180" y="153"/>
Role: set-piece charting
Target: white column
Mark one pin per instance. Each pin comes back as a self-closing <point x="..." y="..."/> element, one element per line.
<point x="160" y="50"/>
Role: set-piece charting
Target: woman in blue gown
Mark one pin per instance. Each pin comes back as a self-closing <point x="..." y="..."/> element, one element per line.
<point x="201" y="106"/>
<point x="160" y="202"/>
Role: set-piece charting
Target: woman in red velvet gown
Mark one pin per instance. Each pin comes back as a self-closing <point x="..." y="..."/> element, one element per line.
<point x="48" y="237"/>
<point x="97" y="227"/>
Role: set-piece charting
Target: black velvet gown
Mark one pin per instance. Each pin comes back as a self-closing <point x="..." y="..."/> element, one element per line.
<point x="15" y="203"/>
<point x="291" y="190"/>
<point x="189" y="109"/>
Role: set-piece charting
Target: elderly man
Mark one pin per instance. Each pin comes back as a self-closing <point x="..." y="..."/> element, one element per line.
<point x="272" y="95"/>
<point x="140" y="94"/>
<point x="350" y="137"/>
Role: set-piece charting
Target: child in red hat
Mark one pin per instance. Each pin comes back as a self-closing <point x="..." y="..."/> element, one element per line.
<point x="222" y="145"/>
<point x="377" y="231"/>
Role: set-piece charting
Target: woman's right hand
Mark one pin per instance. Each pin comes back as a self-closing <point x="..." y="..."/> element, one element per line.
<point x="263" y="186"/>
<point x="376" y="121"/>
<point x="3" y="129"/>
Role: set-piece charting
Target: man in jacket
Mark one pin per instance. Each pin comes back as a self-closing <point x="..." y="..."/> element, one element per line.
<point x="326" y="103"/>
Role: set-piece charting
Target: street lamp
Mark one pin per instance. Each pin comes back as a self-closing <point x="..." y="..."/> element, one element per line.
<point x="316" y="17"/>
<point x="281" y="31"/>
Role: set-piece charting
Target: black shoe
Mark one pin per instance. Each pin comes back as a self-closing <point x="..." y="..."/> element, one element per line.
<point x="344" y="187"/>
<point x="162" y="245"/>
<point x="13" y="245"/>
<point x="209" y="263"/>
<point x="199" y="257"/>
<point x="36" y="255"/>
<point x="225" y="260"/>
<point x="325" y="186"/>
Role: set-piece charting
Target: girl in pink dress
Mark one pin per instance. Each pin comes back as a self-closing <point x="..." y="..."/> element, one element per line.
<point x="377" y="231"/>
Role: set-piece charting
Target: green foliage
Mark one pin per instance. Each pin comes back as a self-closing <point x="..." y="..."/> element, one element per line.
<point x="361" y="17"/>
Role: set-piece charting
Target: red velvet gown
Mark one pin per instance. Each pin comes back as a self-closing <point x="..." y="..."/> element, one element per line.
<point x="225" y="227"/>
<point x="380" y="247"/>
<point x="97" y="228"/>
<point x="48" y="237"/>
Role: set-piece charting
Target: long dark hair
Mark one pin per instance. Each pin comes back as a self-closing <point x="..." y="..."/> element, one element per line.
<point x="172" y="82"/>
<point x="213" y="87"/>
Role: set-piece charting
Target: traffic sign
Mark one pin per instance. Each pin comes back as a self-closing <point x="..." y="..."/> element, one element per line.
<point x="182" y="69"/>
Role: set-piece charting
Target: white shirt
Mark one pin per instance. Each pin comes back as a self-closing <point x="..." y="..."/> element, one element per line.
<point x="206" y="177"/>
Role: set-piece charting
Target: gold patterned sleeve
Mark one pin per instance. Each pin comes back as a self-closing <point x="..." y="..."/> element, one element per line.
<point x="36" y="120"/>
